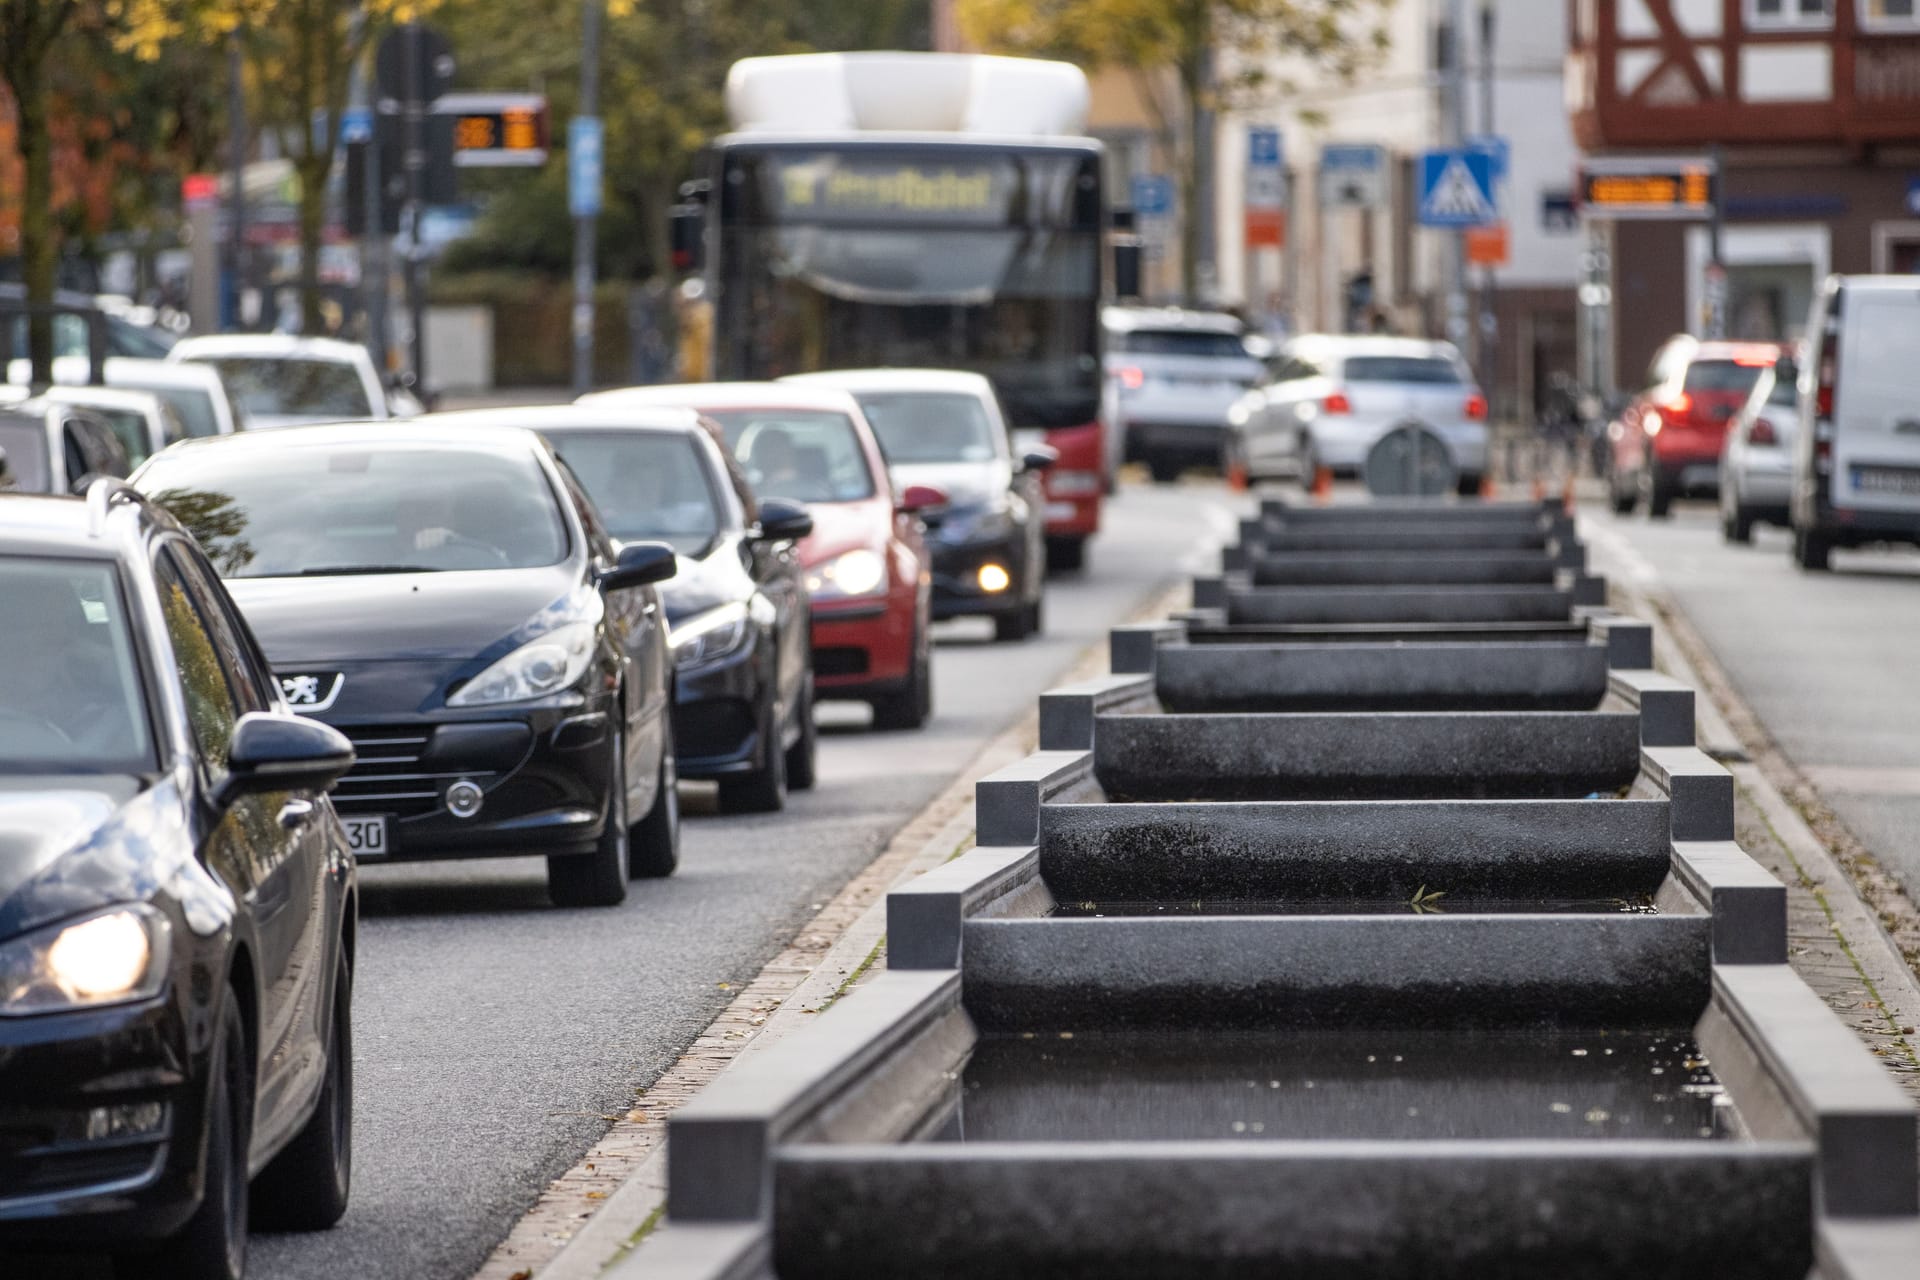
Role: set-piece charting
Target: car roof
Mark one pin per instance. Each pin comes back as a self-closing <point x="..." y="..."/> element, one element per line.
<point x="960" y="380"/>
<point x="392" y="434"/>
<point x="1893" y="284"/>
<point x="268" y="346"/>
<point x="571" y="417"/>
<point x="1131" y="318"/>
<point x="712" y="396"/>
<point x="1370" y="344"/>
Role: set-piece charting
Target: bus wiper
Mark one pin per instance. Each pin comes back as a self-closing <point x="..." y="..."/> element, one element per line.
<point x="351" y="570"/>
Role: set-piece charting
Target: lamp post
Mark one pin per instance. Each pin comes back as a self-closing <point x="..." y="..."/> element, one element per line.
<point x="584" y="208"/>
<point x="1489" y="322"/>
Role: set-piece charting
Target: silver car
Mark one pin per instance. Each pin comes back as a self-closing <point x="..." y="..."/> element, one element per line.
<point x="1332" y="396"/>
<point x="1756" y="462"/>
<point x="1172" y="376"/>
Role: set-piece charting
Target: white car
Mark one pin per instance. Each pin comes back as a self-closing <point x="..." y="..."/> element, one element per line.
<point x="140" y="420"/>
<point x="1333" y="396"/>
<point x="1171" y="378"/>
<point x="1756" y="462"/>
<point x="282" y="380"/>
<point x="194" y="392"/>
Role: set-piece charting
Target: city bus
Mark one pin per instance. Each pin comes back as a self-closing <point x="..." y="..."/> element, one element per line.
<point x="918" y="210"/>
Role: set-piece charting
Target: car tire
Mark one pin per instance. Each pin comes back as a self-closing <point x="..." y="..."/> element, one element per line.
<point x="1017" y="625"/>
<point x="653" y="846"/>
<point x="307" y="1185"/>
<point x="1736" y="523"/>
<point x="803" y="755"/>
<point x="598" y="879"/>
<point x="1622" y="500"/>
<point x="1066" y="555"/>
<point x="213" y="1244"/>
<point x="1467" y="484"/>
<point x="1164" y="470"/>
<point x="765" y="789"/>
<point x="910" y="706"/>
<point x="1811" y="551"/>
<point x="1659" y="496"/>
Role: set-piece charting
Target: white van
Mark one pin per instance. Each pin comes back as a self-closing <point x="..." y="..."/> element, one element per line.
<point x="1856" y="467"/>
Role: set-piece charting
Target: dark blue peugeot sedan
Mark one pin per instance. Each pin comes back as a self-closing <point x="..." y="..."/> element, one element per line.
<point x="176" y="907"/>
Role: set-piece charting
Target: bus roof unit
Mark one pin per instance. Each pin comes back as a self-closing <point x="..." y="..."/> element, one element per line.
<point x="814" y="93"/>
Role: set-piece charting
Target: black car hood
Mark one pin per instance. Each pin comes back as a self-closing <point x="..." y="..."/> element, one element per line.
<point x="72" y="844"/>
<point x="444" y="616"/>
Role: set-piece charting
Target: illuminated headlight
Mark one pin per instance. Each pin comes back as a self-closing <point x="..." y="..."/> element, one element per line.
<point x="540" y="667"/>
<point x="994" y="579"/>
<point x="859" y="572"/>
<point x="707" y="637"/>
<point x="109" y="958"/>
<point x="1074" y="483"/>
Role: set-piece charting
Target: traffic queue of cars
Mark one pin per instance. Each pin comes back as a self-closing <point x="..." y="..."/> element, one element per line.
<point x="273" y="655"/>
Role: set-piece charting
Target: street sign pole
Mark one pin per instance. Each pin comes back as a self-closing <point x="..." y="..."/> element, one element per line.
<point x="1715" y="321"/>
<point x="415" y="143"/>
<point x="1456" y="125"/>
<point x="585" y="204"/>
<point x="1489" y="321"/>
<point x="235" y="273"/>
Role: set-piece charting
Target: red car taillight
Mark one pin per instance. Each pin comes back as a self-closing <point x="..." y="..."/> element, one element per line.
<point x="1336" y="402"/>
<point x="1762" y="432"/>
<point x="1678" y="407"/>
<point x="1476" y="409"/>
<point x="1133" y="378"/>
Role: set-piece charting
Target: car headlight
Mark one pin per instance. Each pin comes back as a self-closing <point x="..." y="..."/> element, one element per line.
<point x="542" y="666"/>
<point x="110" y="958"/>
<point x="859" y="572"/>
<point x="708" y="636"/>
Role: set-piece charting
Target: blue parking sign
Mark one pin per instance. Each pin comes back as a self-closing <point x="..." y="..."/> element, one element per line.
<point x="585" y="139"/>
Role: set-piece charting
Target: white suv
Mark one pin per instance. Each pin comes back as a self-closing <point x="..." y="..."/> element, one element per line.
<point x="1172" y="379"/>
<point x="1333" y="396"/>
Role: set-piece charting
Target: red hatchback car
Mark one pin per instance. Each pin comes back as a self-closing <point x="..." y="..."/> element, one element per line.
<point x="1666" y="443"/>
<point x="866" y="562"/>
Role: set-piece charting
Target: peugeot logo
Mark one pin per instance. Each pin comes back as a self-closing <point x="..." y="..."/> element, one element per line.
<point x="311" y="691"/>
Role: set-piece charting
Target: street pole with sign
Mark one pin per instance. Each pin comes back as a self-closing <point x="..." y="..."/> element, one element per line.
<point x="235" y="274"/>
<point x="584" y="162"/>
<point x="1489" y="322"/>
<point x="1452" y="42"/>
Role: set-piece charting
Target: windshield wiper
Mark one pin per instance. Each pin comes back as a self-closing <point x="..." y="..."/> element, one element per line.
<point x="351" y="570"/>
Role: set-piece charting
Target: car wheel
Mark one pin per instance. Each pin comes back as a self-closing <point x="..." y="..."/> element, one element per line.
<point x="1013" y="626"/>
<point x="1623" y="499"/>
<point x="1066" y="555"/>
<point x="213" y="1244"/>
<point x="598" y="879"/>
<point x="306" y="1186"/>
<point x="910" y="706"/>
<point x="765" y="789"/>
<point x="1659" y="495"/>
<point x="653" y="846"/>
<point x="1736" y="522"/>
<point x="1811" y="551"/>
<point x="1467" y="485"/>
<point x="1164" y="470"/>
<point x="802" y="756"/>
<point x="1037" y="616"/>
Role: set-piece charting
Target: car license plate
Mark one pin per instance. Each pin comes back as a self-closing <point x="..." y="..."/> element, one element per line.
<point x="1061" y="511"/>
<point x="1901" y="480"/>
<point x="367" y="837"/>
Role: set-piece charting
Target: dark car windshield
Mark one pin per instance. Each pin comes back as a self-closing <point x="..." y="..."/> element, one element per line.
<point x="1180" y="342"/>
<point x="311" y="388"/>
<point x="930" y="426"/>
<point x="646" y="484"/>
<point x="353" y="509"/>
<point x="70" y="693"/>
<point x="805" y="455"/>
<point x="1721" y="375"/>
<point x="1426" y="369"/>
<point x="23" y="455"/>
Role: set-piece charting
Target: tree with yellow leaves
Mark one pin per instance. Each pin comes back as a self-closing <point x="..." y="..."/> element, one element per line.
<point x="1218" y="54"/>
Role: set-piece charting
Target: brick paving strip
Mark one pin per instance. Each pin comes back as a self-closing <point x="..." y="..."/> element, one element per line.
<point x="592" y="1214"/>
<point x="1852" y="933"/>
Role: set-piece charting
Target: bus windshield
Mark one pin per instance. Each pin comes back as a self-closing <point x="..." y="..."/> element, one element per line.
<point x="947" y="257"/>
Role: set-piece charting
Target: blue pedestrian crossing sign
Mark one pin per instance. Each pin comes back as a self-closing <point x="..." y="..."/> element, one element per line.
<point x="1456" y="189"/>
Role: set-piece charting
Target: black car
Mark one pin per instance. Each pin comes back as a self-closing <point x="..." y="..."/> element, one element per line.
<point x="176" y="907"/>
<point x="445" y="595"/>
<point x="738" y="609"/>
<point x="944" y="430"/>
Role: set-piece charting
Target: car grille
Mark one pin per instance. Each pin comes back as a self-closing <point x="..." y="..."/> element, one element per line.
<point x="388" y="776"/>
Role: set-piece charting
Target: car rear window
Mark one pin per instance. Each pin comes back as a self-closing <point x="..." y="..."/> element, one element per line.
<point x="1784" y="391"/>
<point x="1425" y="369"/>
<point x="645" y="484"/>
<point x="1721" y="375"/>
<point x="1180" y="342"/>
<point x="23" y="456"/>
<point x="192" y="405"/>
<point x="803" y="455"/>
<point x="70" y="693"/>
<point x="292" y="386"/>
<point x="929" y="426"/>
<point x="349" y="509"/>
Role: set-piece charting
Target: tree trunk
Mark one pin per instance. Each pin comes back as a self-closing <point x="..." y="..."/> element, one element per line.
<point x="313" y="216"/>
<point x="39" y="250"/>
<point x="1190" y="160"/>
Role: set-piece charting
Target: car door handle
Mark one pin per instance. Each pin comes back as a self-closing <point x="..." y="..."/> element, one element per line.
<point x="296" y="813"/>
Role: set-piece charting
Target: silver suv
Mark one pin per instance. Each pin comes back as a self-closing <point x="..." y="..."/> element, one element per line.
<point x="1172" y="376"/>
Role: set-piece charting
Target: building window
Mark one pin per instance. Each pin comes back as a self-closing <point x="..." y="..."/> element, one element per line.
<point x="1764" y="15"/>
<point x="1888" y="13"/>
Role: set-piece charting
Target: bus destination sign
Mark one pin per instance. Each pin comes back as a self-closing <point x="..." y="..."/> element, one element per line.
<point x="1647" y="189"/>
<point x="496" y="130"/>
<point x="839" y="189"/>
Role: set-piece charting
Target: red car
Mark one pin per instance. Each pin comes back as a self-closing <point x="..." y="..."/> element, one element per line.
<point x="1666" y="443"/>
<point x="867" y="567"/>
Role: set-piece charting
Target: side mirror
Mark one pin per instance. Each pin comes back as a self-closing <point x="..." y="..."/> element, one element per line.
<point x="920" y="497"/>
<point x="782" y="521"/>
<point x="1039" y="457"/>
<point x="638" y="564"/>
<point x="283" y="753"/>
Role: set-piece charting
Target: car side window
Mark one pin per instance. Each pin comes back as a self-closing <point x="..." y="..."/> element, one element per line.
<point x="246" y="668"/>
<point x="598" y="539"/>
<point x="73" y="451"/>
<point x="212" y="705"/>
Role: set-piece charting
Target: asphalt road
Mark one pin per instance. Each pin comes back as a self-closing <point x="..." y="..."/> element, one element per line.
<point x="494" y="1031"/>
<point x="1825" y="660"/>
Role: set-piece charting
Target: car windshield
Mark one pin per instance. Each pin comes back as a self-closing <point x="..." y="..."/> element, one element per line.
<point x="646" y="484"/>
<point x="307" y="388"/>
<point x="1722" y="376"/>
<point x="70" y="693"/>
<point x="930" y="426"/>
<point x="1180" y="342"/>
<point x="348" y="509"/>
<point x="805" y="455"/>
<point x="192" y="405"/>
<point x="23" y="456"/>
<point x="1427" y="369"/>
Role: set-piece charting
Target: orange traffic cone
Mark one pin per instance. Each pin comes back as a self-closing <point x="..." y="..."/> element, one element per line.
<point x="1566" y="494"/>
<point x="1323" y="484"/>
<point x="1488" y="490"/>
<point x="1237" y="476"/>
